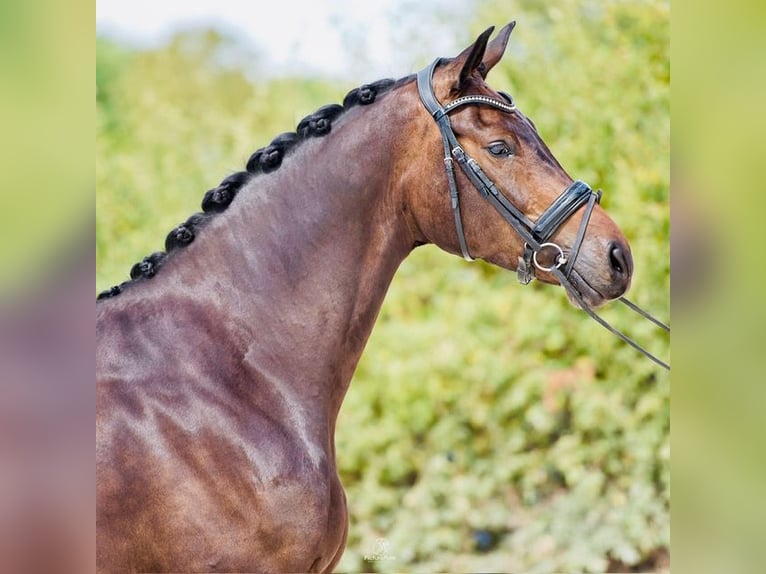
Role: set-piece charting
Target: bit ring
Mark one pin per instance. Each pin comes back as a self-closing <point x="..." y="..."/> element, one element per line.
<point x="561" y="259"/>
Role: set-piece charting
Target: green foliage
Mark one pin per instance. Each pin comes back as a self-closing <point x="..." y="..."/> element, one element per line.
<point x="479" y="405"/>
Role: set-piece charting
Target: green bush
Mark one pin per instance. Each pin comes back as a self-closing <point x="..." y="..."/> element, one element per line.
<point x="488" y="426"/>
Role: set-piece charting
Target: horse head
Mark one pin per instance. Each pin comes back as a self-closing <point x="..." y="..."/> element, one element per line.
<point x="512" y="203"/>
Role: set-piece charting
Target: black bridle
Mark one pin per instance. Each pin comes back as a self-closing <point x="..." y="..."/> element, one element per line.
<point x="536" y="234"/>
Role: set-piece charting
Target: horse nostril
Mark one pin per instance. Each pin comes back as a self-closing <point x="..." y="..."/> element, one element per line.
<point x="618" y="259"/>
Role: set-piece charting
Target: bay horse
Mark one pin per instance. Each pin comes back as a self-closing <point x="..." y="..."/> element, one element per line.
<point x="221" y="366"/>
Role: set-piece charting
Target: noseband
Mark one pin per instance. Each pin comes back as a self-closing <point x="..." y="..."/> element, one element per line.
<point x="536" y="235"/>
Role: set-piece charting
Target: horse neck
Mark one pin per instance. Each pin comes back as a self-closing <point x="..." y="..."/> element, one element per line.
<point x="302" y="259"/>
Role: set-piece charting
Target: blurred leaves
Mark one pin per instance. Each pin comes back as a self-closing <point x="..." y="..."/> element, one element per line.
<point x="46" y="114"/>
<point x="489" y="426"/>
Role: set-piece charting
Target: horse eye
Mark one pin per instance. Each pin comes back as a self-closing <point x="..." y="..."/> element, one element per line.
<point x="500" y="149"/>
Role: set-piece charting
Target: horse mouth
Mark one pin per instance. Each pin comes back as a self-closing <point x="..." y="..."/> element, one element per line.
<point x="590" y="295"/>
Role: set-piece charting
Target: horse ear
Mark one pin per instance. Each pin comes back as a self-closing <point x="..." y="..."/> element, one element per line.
<point x="496" y="49"/>
<point x="470" y="59"/>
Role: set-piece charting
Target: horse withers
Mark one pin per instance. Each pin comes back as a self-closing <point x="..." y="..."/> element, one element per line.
<point x="222" y="364"/>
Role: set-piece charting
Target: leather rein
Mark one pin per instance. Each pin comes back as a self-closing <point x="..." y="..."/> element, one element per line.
<point x="536" y="235"/>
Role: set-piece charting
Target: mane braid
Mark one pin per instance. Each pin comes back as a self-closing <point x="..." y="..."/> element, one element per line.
<point x="263" y="160"/>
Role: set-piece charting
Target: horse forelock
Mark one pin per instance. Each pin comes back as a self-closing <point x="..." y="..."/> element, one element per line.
<point x="263" y="160"/>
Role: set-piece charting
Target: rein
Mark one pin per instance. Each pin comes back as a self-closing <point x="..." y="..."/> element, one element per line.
<point x="536" y="234"/>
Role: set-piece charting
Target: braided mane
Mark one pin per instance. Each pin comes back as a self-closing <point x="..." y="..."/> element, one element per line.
<point x="263" y="160"/>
